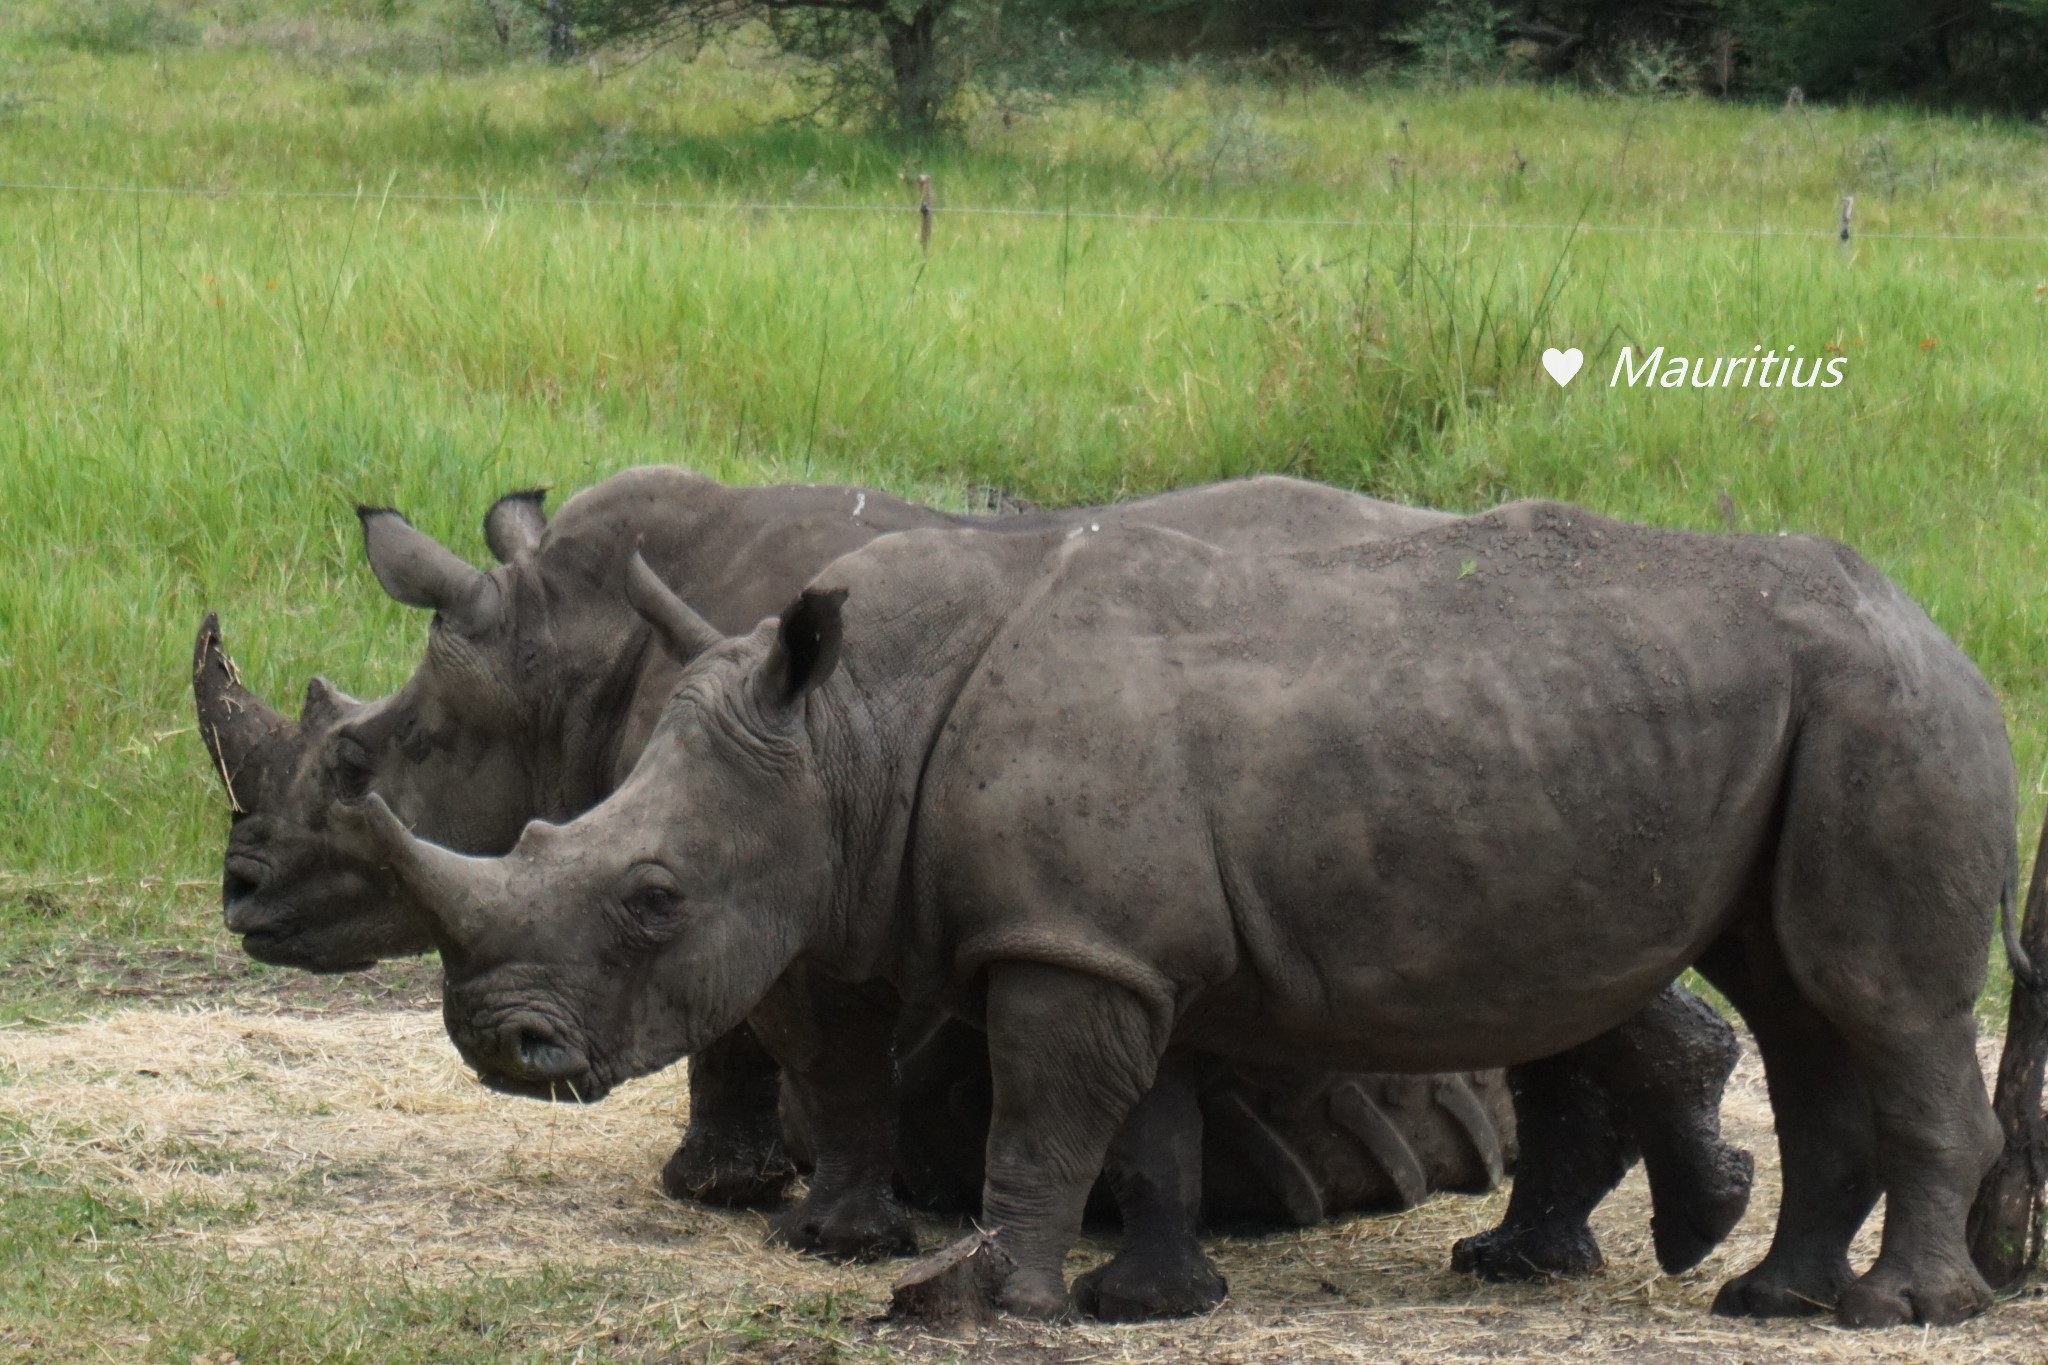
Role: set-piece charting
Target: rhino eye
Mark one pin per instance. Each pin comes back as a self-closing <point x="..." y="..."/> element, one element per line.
<point x="351" y="770"/>
<point x="653" y="899"/>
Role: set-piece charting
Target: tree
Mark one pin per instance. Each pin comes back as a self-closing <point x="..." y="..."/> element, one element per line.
<point x="894" y="49"/>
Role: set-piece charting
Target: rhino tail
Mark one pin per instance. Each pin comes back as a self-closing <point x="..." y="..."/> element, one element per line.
<point x="1360" y="1115"/>
<point x="1454" y="1095"/>
<point x="2024" y="973"/>
<point x="1286" y="1176"/>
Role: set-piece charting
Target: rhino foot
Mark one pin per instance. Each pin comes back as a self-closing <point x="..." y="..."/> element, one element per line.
<point x="847" y="1226"/>
<point x="1532" y="1252"/>
<point x="734" y="1175"/>
<point x="1783" y="1290"/>
<point x="1686" y="1229"/>
<point x="1136" y="1287"/>
<point x="1886" y="1299"/>
<point x="1042" y="1298"/>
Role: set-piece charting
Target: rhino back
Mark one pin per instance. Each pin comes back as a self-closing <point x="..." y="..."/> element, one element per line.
<point x="1323" y="791"/>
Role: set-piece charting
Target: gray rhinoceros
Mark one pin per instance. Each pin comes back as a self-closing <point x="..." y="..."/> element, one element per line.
<point x="537" y="691"/>
<point x="1461" y="798"/>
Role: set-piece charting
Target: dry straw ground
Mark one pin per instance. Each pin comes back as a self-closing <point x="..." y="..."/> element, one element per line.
<point x="364" y="1149"/>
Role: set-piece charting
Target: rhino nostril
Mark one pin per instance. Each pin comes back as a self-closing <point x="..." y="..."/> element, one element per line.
<point x="241" y="878"/>
<point x="542" y="1055"/>
<point x="534" y="1046"/>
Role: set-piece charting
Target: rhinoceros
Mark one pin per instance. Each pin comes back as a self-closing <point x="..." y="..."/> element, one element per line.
<point x="538" y="689"/>
<point x="1454" y="799"/>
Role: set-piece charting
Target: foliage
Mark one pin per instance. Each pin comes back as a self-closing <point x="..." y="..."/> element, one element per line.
<point x="196" y="389"/>
<point x="1456" y="40"/>
<point x="106" y="26"/>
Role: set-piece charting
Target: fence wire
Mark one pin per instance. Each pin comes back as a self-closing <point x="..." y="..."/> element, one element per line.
<point x="1142" y="217"/>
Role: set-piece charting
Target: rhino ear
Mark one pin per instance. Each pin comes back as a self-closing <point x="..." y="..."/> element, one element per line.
<point x="513" y="526"/>
<point x="419" y="571"/>
<point x="806" y="648"/>
<point x="682" y="632"/>
<point x="325" y="703"/>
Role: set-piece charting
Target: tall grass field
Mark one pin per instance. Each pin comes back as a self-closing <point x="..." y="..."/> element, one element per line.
<point x="256" y="275"/>
<point x="263" y="260"/>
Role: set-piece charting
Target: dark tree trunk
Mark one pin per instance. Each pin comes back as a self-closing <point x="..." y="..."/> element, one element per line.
<point x="2005" y="1224"/>
<point x="914" y="62"/>
<point x="561" y="30"/>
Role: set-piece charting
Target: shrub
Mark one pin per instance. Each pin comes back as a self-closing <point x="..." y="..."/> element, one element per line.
<point x="119" y="26"/>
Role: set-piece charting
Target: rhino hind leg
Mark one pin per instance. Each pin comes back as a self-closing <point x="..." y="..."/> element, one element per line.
<point x="1885" y="1032"/>
<point x="1826" y="1140"/>
<point x="1155" y="1173"/>
<point x="732" y="1153"/>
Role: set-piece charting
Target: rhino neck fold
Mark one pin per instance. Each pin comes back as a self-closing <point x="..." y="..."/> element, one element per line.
<point x="874" y="737"/>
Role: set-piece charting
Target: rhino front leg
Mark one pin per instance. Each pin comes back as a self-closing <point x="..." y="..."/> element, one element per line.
<point x="1573" y="1153"/>
<point x="1155" y="1172"/>
<point x="1071" y="1055"/>
<point x="732" y="1153"/>
<point x="834" y="1043"/>
<point x="1668" y="1067"/>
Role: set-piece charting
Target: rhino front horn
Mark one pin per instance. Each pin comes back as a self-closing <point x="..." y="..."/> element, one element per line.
<point x="457" y="891"/>
<point x="233" y="721"/>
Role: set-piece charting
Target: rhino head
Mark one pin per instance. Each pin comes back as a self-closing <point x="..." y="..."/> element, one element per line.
<point x="281" y="874"/>
<point x="302" y="887"/>
<point x="611" y="946"/>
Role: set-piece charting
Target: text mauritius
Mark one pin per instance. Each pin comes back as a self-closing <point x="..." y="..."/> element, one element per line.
<point x="1760" y="371"/>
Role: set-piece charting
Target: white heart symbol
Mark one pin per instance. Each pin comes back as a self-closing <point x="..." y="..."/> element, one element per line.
<point x="1563" y="364"/>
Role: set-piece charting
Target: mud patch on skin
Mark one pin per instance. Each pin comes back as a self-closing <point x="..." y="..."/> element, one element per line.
<point x="362" y="1145"/>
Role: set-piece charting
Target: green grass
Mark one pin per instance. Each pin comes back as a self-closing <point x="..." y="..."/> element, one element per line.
<point x="193" y="390"/>
<point x="97" y="1274"/>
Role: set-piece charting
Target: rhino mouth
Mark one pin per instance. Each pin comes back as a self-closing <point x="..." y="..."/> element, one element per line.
<point x="282" y="946"/>
<point x="585" y="1089"/>
<point x="527" y="1053"/>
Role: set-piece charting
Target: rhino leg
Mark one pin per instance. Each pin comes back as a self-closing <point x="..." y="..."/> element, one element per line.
<point x="942" y="1131"/>
<point x="1652" y="1084"/>
<point x="1826" y="1139"/>
<point x="1155" y="1173"/>
<point x="732" y="1153"/>
<point x="1071" y="1056"/>
<point x="1668" y="1067"/>
<point x="1574" y="1151"/>
<point x="834" y="1045"/>
<point x="1885" y="1031"/>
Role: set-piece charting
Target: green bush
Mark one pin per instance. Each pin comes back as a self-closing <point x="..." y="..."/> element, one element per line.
<point x="107" y="26"/>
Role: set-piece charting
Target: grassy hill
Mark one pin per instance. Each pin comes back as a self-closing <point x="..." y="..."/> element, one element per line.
<point x="354" y="263"/>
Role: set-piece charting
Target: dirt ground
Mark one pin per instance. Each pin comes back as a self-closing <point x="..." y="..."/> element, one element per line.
<point x="366" y="1146"/>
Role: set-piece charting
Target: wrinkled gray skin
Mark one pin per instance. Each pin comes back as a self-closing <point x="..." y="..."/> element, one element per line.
<point x="536" y="693"/>
<point x="1457" y="799"/>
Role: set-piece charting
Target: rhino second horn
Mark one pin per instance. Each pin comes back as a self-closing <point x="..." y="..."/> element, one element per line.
<point x="324" y="703"/>
<point x="457" y="891"/>
<point x="233" y="721"/>
<point x="681" y="631"/>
